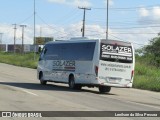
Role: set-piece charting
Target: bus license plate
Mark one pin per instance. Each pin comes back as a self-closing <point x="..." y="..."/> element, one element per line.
<point x="112" y="80"/>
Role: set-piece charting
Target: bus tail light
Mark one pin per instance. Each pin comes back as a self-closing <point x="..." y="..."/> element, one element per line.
<point x="132" y="74"/>
<point x="96" y="70"/>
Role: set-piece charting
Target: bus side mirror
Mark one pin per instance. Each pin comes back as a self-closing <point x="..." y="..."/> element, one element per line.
<point x="40" y="58"/>
<point x="39" y="49"/>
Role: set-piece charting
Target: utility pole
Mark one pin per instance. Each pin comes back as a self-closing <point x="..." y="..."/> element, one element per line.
<point x="107" y="21"/>
<point x="23" y="26"/>
<point x="1" y="41"/>
<point x="84" y="17"/>
<point x="15" y="29"/>
<point x="34" y="42"/>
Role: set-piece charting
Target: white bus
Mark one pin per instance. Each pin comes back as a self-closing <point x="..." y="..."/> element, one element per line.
<point x="93" y="63"/>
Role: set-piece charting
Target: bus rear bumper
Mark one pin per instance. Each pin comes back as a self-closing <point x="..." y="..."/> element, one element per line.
<point x="129" y="85"/>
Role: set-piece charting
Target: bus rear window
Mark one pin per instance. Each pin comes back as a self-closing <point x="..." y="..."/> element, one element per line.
<point x="122" y="53"/>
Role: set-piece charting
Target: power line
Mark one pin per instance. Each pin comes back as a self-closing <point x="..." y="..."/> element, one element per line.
<point x="133" y="26"/>
<point x="74" y="17"/>
<point x="129" y="8"/>
<point x="65" y="19"/>
<point x="60" y="33"/>
<point x="118" y="38"/>
<point x="68" y="15"/>
<point x="136" y="27"/>
<point x="127" y="41"/>
<point x="133" y="33"/>
<point x="48" y="24"/>
<point x="126" y="22"/>
<point x="27" y="18"/>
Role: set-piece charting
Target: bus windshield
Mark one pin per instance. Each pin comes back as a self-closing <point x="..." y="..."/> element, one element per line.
<point x="116" y="51"/>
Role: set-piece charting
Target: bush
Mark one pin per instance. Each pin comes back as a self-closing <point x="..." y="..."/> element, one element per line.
<point x="146" y="77"/>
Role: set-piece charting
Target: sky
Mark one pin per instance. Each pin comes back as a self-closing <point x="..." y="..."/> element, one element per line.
<point x="136" y="21"/>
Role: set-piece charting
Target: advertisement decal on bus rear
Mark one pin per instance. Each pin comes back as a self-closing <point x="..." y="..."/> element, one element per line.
<point x="116" y="62"/>
<point x="116" y="52"/>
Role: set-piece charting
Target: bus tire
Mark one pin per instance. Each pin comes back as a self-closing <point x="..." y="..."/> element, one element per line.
<point x="42" y="82"/>
<point x="72" y="84"/>
<point x="104" y="89"/>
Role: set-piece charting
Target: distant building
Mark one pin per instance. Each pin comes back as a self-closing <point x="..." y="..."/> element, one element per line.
<point x="3" y="47"/>
<point x="18" y="48"/>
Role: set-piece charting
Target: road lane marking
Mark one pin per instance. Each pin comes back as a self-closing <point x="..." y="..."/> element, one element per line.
<point x="29" y="92"/>
<point x="21" y="89"/>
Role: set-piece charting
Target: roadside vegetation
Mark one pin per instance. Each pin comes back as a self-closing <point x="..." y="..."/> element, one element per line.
<point x="147" y="69"/>
<point x="146" y="76"/>
<point x="25" y="60"/>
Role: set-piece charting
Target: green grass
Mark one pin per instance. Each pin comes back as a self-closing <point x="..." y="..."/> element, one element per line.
<point x="25" y="60"/>
<point x="146" y="76"/>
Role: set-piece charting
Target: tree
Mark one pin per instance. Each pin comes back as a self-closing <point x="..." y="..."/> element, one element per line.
<point x="153" y="50"/>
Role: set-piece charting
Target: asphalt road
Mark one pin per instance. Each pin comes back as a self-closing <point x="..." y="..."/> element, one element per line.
<point x="20" y="91"/>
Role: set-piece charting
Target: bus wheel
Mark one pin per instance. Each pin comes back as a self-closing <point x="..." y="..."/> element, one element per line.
<point x="41" y="79"/>
<point x="104" y="89"/>
<point x="72" y="82"/>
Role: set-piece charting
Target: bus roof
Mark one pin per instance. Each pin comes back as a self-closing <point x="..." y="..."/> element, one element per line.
<point x="72" y="41"/>
<point x="80" y="39"/>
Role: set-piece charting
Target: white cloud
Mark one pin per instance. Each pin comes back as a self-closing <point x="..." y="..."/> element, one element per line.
<point x="150" y="15"/>
<point x="58" y="1"/>
<point x="143" y="12"/>
<point x="81" y="3"/>
<point x="110" y="2"/>
<point x="156" y="13"/>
